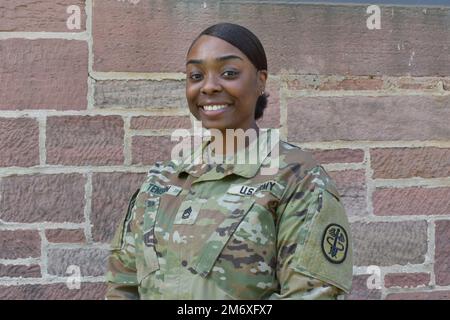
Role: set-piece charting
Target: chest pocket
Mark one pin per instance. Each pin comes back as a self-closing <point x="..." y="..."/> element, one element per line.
<point x="219" y="238"/>
<point x="150" y="262"/>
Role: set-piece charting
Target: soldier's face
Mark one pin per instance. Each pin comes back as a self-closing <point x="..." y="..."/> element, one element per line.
<point x="221" y="76"/>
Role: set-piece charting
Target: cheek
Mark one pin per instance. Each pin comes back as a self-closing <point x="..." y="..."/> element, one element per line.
<point x="190" y="97"/>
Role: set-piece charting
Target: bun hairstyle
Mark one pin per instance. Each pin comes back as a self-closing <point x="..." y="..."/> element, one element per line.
<point x="249" y="44"/>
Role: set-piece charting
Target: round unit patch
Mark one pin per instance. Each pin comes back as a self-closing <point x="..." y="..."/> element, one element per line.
<point x="335" y="243"/>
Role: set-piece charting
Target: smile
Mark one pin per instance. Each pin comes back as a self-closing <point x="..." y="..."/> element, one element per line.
<point x="213" y="110"/>
<point x="215" y="107"/>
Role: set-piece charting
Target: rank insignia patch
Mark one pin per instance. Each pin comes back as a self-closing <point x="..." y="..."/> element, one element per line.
<point x="335" y="243"/>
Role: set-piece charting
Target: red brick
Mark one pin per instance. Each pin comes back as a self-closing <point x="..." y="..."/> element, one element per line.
<point x="323" y="83"/>
<point x="85" y="140"/>
<point x="411" y="201"/>
<point x="393" y="163"/>
<point x="434" y="295"/>
<point x="158" y="122"/>
<point x="42" y="197"/>
<point x="17" y="244"/>
<point x="149" y="149"/>
<point x="360" y="291"/>
<point x="65" y="235"/>
<point x="442" y="253"/>
<point x="405" y="280"/>
<point x="19" y="142"/>
<point x="41" y="15"/>
<point x="111" y="193"/>
<point x="334" y="39"/>
<point x="338" y="156"/>
<point x="43" y="74"/>
<point x="23" y="271"/>
<point x="57" y="291"/>
<point x="389" y="243"/>
<point x="346" y="118"/>
<point x="351" y="185"/>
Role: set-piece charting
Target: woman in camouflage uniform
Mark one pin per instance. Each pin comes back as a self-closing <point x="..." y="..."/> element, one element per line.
<point x="232" y="231"/>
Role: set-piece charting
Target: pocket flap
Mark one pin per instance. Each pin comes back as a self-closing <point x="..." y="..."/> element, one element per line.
<point x="219" y="238"/>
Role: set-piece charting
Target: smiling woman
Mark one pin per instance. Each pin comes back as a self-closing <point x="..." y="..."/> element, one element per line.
<point x="232" y="231"/>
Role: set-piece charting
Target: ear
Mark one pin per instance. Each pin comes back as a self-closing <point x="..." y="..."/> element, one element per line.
<point x="261" y="79"/>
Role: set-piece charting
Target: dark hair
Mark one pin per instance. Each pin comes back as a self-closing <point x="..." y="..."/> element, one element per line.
<point x="248" y="43"/>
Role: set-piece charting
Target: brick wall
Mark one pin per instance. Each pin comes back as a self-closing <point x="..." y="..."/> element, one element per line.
<point x="84" y="112"/>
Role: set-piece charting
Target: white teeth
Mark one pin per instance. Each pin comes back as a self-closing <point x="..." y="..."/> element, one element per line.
<point x="213" y="108"/>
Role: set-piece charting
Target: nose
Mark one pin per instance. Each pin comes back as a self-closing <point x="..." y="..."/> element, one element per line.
<point x="210" y="85"/>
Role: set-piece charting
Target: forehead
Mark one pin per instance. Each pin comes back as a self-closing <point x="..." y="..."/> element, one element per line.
<point x="209" y="47"/>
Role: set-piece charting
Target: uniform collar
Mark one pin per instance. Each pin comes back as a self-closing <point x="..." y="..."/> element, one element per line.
<point x="218" y="171"/>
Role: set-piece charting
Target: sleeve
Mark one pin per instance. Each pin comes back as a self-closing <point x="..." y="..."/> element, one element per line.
<point x="121" y="273"/>
<point x="315" y="257"/>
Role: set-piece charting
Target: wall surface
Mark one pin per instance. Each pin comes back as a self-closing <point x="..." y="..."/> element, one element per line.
<point x="85" y="112"/>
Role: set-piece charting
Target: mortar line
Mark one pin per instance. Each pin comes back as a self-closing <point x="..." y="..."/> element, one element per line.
<point x="44" y="35"/>
<point x="42" y="123"/>
<point x="90" y="81"/>
<point x="88" y="207"/>
<point x="44" y="259"/>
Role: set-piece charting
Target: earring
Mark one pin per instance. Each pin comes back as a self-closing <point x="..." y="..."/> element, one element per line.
<point x="262" y="93"/>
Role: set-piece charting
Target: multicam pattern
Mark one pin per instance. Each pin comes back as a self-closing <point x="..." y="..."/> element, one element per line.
<point x="225" y="231"/>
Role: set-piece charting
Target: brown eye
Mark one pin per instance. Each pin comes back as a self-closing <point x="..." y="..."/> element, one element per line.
<point x="195" y="76"/>
<point x="231" y="73"/>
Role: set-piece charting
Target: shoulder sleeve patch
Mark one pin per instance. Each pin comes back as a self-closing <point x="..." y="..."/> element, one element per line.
<point x="325" y="249"/>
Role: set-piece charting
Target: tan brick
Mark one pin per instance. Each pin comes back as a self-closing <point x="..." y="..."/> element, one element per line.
<point x="442" y="253"/>
<point x="347" y="118"/>
<point x="149" y="149"/>
<point x="393" y="163"/>
<point x="85" y="140"/>
<point x="92" y="262"/>
<point x="334" y="39"/>
<point x="389" y="243"/>
<point x="352" y="188"/>
<point x="324" y="83"/>
<point x="41" y="15"/>
<point x="65" y="235"/>
<point x="406" y="280"/>
<point x="140" y="94"/>
<point x="19" y="142"/>
<point x="338" y="155"/>
<point x="20" y="271"/>
<point x="360" y="290"/>
<point x="18" y="244"/>
<point x="160" y="122"/>
<point x="434" y="295"/>
<point x="409" y="83"/>
<point x="39" y="198"/>
<point x="43" y="74"/>
<point x="57" y="291"/>
<point x="111" y="193"/>
<point x="411" y="201"/>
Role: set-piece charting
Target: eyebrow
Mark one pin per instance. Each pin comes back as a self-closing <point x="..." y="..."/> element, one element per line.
<point x="223" y="58"/>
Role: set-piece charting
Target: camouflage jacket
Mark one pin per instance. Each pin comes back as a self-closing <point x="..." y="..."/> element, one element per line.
<point x="225" y="231"/>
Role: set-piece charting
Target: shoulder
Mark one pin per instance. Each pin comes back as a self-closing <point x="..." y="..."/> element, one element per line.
<point x="294" y="156"/>
<point x="294" y="163"/>
<point x="162" y="171"/>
